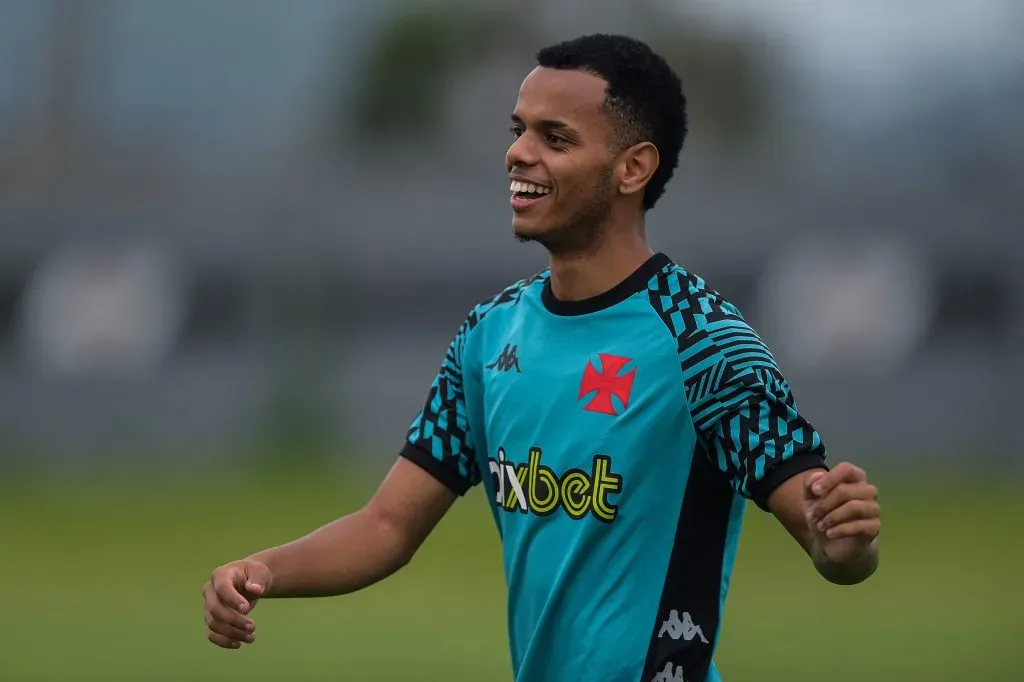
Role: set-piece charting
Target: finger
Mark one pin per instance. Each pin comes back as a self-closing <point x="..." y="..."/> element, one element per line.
<point x="225" y="630"/>
<point x="225" y="585"/>
<point x="844" y="472"/>
<point x="851" y="511"/>
<point x="865" y="528"/>
<point x="839" y="496"/>
<point x="222" y="641"/>
<point x="222" y="612"/>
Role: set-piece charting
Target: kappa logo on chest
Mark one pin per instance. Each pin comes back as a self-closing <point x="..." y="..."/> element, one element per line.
<point x="507" y="360"/>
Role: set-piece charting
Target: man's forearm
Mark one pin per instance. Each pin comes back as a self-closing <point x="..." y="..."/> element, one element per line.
<point x="344" y="556"/>
<point x="847" y="573"/>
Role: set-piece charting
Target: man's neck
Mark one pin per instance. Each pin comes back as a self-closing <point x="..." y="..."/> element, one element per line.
<point x="582" y="275"/>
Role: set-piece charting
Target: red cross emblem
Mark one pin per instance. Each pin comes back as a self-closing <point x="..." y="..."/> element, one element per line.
<point x="607" y="383"/>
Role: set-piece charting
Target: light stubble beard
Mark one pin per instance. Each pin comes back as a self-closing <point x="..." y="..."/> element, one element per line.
<point x="585" y="228"/>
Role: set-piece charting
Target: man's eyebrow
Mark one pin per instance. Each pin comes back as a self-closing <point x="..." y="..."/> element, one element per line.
<point x="543" y="124"/>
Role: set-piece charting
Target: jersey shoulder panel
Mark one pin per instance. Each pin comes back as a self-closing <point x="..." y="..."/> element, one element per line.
<point x="508" y="297"/>
<point x="687" y="304"/>
<point x="740" y="403"/>
<point x="713" y="339"/>
<point x="440" y="438"/>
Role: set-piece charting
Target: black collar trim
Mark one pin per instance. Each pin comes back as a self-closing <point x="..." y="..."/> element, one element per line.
<point x="617" y="294"/>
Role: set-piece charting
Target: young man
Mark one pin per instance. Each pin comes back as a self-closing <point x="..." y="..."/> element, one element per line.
<point x="618" y="412"/>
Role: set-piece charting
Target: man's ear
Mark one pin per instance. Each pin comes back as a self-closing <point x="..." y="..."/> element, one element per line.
<point x="636" y="166"/>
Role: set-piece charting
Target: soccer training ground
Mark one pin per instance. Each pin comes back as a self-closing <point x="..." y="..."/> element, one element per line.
<point x="102" y="582"/>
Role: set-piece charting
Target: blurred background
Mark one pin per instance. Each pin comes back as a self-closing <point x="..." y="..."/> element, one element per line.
<point x="237" y="236"/>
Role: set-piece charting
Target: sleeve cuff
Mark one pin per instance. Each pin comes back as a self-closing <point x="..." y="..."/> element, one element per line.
<point x="435" y="468"/>
<point x="797" y="464"/>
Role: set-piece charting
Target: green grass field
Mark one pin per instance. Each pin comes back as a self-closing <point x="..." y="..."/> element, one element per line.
<point x="102" y="582"/>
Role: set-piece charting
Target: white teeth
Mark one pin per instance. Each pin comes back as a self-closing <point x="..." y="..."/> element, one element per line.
<point x="526" y="188"/>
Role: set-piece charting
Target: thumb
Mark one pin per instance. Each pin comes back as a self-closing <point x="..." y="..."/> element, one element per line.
<point x="256" y="578"/>
<point x="809" y="482"/>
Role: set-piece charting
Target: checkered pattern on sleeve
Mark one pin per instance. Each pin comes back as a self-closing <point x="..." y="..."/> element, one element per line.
<point x="740" y="403"/>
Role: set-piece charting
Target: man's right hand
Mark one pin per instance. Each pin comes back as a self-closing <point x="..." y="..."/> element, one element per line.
<point x="231" y="594"/>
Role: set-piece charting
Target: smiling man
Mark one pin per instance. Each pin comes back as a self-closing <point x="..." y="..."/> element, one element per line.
<point x="618" y="412"/>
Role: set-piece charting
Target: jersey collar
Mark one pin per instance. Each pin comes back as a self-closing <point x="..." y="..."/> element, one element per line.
<point x="617" y="294"/>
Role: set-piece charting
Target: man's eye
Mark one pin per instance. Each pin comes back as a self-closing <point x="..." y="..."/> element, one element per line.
<point x="516" y="131"/>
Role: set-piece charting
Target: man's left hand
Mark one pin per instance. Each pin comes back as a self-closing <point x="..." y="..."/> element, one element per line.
<point x="843" y="513"/>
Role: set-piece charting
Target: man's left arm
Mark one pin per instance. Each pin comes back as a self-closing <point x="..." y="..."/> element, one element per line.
<point x="769" y="451"/>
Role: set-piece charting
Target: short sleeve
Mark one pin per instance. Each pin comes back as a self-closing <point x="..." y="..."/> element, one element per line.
<point x="439" y="439"/>
<point x="744" y="410"/>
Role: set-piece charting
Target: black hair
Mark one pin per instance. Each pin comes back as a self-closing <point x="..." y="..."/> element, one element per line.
<point x="644" y="99"/>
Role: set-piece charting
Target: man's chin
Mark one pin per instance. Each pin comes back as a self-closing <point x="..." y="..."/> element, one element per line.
<point x="554" y="240"/>
<point x="559" y="239"/>
<point x="528" y="233"/>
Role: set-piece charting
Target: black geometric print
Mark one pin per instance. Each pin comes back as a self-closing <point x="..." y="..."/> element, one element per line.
<point x="740" y="403"/>
<point x="442" y="427"/>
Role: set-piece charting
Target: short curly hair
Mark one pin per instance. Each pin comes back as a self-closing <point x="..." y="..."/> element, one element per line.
<point x="644" y="99"/>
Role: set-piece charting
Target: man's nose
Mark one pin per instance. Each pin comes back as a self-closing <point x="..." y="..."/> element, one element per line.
<point x="522" y="153"/>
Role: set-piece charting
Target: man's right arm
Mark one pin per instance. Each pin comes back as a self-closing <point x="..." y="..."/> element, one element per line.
<point x="346" y="555"/>
<point x="360" y="549"/>
<point x="436" y="465"/>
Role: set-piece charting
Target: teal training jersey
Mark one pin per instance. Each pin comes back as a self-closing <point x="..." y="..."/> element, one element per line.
<point x="618" y="439"/>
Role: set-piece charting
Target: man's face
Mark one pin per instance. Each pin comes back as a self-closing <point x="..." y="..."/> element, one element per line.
<point x="561" y="147"/>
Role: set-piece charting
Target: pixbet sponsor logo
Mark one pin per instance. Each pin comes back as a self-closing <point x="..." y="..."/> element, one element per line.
<point x="533" y="488"/>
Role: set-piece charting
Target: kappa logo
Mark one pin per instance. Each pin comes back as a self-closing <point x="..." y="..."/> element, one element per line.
<point x="670" y="673"/>
<point x="607" y="384"/>
<point x="507" y="360"/>
<point x="681" y="628"/>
